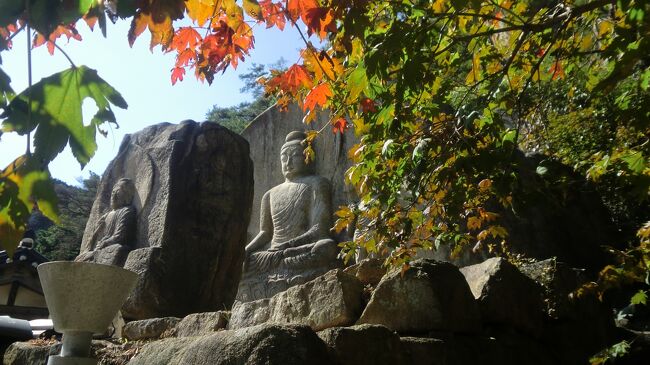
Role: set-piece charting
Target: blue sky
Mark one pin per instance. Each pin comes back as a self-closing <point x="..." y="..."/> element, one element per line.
<point x="143" y="79"/>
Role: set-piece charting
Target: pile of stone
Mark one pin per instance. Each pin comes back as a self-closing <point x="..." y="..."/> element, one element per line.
<point x="431" y="313"/>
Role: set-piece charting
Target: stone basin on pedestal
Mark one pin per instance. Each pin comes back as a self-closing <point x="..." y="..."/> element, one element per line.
<point x="83" y="299"/>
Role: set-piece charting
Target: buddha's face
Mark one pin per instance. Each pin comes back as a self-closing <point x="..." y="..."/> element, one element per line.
<point x="293" y="161"/>
<point x="120" y="196"/>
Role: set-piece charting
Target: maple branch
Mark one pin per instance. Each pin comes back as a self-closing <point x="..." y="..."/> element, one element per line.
<point x="64" y="53"/>
<point x="310" y="47"/>
<point x="474" y="15"/>
<point x="540" y="27"/>
<point x="16" y="33"/>
<point x="214" y="12"/>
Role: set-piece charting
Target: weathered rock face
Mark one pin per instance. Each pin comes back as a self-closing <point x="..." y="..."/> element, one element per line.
<point x="149" y="328"/>
<point x="430" y="296"/>
<point x="365" y="344"/>
<point x="265" y="344"/>
<point x="506" y="296"/>
<point x="193" y="198"/>
<point x="577" y="327"/>
<point x="333" y="299"/>
<point x="198" y="324"/>
<point x="266" y="135"/>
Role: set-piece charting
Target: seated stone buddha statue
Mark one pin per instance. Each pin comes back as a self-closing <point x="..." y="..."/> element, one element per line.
<point x="293" y="245"/>
<point x="114" y="236"/>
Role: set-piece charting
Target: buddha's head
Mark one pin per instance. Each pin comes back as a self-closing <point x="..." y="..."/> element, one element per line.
<point x="292" y="155"/>
<point x="122" y="194"/>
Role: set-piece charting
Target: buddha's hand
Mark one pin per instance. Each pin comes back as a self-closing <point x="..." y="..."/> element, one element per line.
<point x="283" y="246"/>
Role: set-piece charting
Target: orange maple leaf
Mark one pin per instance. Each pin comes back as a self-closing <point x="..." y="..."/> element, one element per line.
<point x="184" y="58"/>
<point x="288" y="81"/>
<point x="297" y="9"/>
<point x="317" y="96"/>
<point x="556" y="70"/>
<point x="273" y="14"/>
<point x="67" y="30"/>
<point x="296" y="76"/>
<point x="339" y="125"/>
<point x="185" y="37"/>
<point x="177" y="74"/>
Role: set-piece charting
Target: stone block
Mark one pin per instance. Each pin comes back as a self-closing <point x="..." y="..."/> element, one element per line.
<point x="198" y="324"/>
<point x="331" y="300"/>
<point x="265" y="344"/>
<point x="368" y="271"/>
<point x="505" y="296"/>
<point x="149" y="328"/>
<point x="429" y="296"/>
<point x="364" y="345"/>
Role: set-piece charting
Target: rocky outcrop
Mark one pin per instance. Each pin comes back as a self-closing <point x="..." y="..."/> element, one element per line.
<point x="333" y="299"/>
<point x="194" y="189"/>
<point x="198" y="324"/>
<point x="429" y="296"/>
<point x="266" y="344"/>
<point x="505" y="296"/>
<point x="149" y="328"/>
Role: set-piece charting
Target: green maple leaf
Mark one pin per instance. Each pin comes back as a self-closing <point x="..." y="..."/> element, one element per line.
<point x="56" y="113"/>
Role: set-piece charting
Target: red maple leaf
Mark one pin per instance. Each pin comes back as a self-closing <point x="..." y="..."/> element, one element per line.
<point x="368" y="105"/>
<point x="320" y="20"/>
<point x="339" y="125"/>
<point x="317" y="96"/>
<point x="177" y="74"/>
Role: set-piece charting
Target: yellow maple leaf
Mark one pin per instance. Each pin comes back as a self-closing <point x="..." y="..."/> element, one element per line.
<point x="322" y="64"/>
<point x="201" y="10"/>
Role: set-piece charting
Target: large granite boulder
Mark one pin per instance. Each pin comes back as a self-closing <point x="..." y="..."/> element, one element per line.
<point x="193" y="193"/>
<point x="429" y="296"/>
<point x="331" y="300"/>
<point x="505" y="296"/>
<point x="265" y="344"/>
